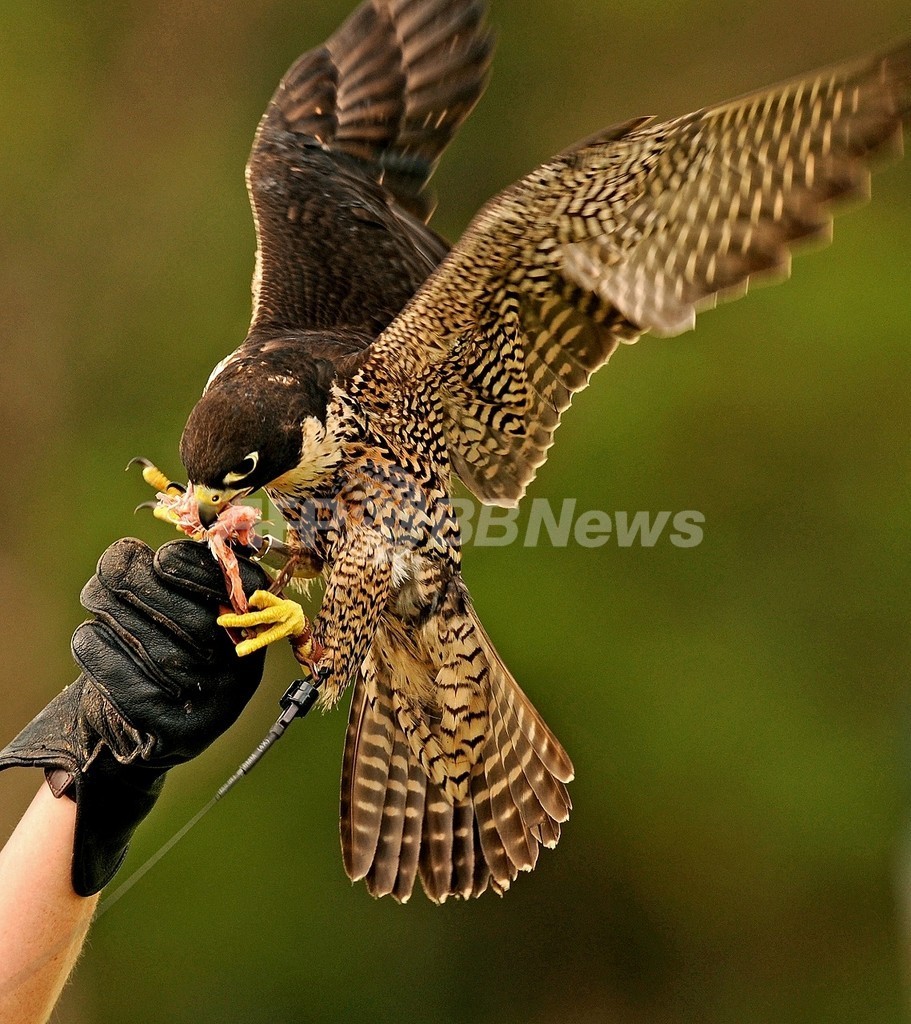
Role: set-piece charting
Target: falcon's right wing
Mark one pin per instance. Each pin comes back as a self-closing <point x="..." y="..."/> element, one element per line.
<point x="632" y="231"/>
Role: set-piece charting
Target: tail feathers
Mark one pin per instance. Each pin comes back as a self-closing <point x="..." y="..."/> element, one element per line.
<point x="437" y="845"/>
<point x="545" y="764"/>
<point x="366" y="788"/>
<point x="401" y="821"/>
<point x="395" y="843"/>
<point x="396" y="824"/>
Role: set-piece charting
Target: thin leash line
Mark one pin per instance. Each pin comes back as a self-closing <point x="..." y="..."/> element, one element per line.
<point x="140" y="873"/>
<point x="296" y="703"/>
<point x="22" y="976"/>
<point x="299" y="699"/>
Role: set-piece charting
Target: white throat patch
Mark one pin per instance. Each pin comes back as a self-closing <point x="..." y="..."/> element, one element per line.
<point x="321" y="452"/>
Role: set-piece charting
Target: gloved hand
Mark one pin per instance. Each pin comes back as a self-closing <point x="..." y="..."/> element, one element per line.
<point x="160" y="681"/>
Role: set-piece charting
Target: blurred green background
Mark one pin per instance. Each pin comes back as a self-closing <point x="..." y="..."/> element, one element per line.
<point x="738" y="713"/>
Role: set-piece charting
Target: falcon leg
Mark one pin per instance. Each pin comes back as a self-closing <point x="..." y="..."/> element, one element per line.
<point x="356" y="594"/>
<point x="281" y="618"/>
<point x="295" y="563"/>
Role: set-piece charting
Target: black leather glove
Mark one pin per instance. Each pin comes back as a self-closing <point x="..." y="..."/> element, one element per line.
<point x="160" y="681"/>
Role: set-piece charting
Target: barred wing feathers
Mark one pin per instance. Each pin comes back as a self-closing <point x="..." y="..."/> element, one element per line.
<point x="634" y="230"/>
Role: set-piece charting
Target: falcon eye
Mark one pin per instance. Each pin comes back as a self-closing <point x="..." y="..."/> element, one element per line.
<point x="243" y="470"/>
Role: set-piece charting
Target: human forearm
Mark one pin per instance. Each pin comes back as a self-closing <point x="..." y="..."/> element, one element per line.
<point x="159" y="682"/>
<point x="42" y="921"/>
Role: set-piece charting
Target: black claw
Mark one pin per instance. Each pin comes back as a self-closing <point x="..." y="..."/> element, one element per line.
<point x="146" y="504"/>
<point x="139" y="461"/>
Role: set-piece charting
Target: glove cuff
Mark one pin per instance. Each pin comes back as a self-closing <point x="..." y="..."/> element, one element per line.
<point x="111" y="803"/>
<point x="111" y="797"/>
<point x="49" y="740"/>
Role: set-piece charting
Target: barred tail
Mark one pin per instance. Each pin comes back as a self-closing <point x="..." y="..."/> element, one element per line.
<point x="450" y="773"/>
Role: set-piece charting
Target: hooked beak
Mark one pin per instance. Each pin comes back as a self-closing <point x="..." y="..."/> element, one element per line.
<point x="212" y="501"/>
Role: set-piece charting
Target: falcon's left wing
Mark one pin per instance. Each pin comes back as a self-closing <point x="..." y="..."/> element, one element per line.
<point x="632" y="231"/>
<point x="341" y="160"/>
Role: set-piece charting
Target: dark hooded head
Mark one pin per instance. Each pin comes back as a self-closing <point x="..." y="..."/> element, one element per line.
<point x="247" y="429"/>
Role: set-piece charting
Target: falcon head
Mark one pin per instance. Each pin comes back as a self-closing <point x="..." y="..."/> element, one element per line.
<point x="252" y="428"/>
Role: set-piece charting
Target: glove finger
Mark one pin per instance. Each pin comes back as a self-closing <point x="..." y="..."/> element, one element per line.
<point x="128" y="594"/>
<point x="190" y="566"/>
<point x="155" y="636"/>
<point x="185" y="720"/>
<point x="117" y="661"/>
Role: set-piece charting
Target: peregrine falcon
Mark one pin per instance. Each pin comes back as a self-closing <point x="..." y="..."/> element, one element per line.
<point x="381" y="364"/>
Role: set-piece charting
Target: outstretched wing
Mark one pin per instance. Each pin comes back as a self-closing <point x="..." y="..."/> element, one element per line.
<point x="341" y="160"/>
<point x="634" y="230"/>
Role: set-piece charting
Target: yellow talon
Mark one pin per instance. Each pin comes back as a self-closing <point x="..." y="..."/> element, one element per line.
<point x="283" y="617"/>
<point x="154" y="477"/>
<point x="166" y="515"/>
